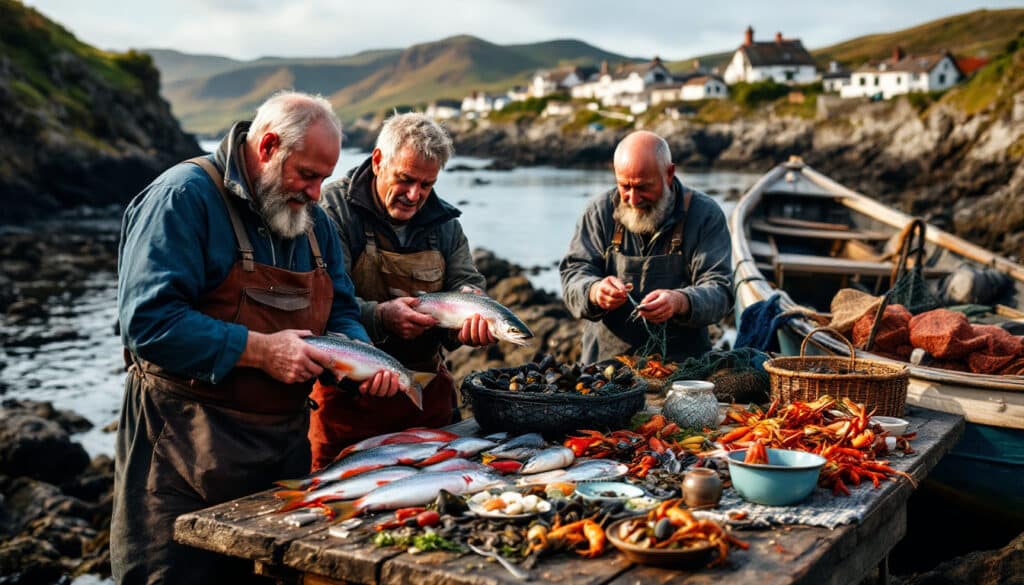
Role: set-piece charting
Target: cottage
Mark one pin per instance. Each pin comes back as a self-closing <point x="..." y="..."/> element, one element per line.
<point x="444" y="109"/>
<point x="480" y="104"/>
<point x="624" y="86"/>
<point x="782" y="60"/>
<point x="902" y="74"/>
<point x="547" y="82"/>
<point x="666" y="93"/>
<point x="833" y="80"/>
<point x="703" y="87"/>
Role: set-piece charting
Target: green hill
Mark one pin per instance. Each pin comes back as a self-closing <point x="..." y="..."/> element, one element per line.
<point x="365" y="83"/>
<point x="980" y="33"/>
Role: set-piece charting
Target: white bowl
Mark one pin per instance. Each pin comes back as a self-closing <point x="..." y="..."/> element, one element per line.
<point x="892" y="425"/>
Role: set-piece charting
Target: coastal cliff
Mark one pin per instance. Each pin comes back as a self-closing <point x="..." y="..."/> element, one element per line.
<point x="81" y="126"/>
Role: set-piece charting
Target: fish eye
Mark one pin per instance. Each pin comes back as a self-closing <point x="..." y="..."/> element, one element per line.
<point x="513" y="329"/>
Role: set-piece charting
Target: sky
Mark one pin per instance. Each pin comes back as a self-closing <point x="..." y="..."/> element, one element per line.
<point x="671" y="29"/>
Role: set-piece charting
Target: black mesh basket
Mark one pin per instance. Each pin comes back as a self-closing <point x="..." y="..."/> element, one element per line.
<point x="550" y="414"/>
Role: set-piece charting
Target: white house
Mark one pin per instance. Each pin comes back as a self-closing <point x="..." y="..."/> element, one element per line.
<point x="703" y="87"/>
<point x="480" y="104"/>
<point x="665" y="93"/>
<point x="444" y="109"/>
<point x="782" y="60"/>
<point x="518" y="93"/>
<point x="624" y="86"/>
<point x="549" y="81"/>
<point x="833" y="80"/>
<point x="904" y="74"/>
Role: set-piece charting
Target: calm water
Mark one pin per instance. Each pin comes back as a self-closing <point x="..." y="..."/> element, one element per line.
<point x="526" y="215"/>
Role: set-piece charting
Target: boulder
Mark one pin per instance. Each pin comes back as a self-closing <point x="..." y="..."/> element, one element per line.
<point x="35" y="447"/>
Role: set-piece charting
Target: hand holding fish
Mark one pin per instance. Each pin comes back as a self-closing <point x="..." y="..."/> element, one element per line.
<point x="383" y="384"/>
<point x="609" y="293"/>
<point x="476" y="332"/>
<point x="662" y="304"/>
<point x="399" y="317"/>
<point x="284" y="355"/>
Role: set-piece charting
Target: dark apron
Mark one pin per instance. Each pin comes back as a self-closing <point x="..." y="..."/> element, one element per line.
<point x="185" y="444"/>
<point x="617" y="333"/>
<point x="344" y="417"/>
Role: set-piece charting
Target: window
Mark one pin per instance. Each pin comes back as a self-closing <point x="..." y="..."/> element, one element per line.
<point x="789" y="76"/>
<point x="899" y="79"/>
<point x="942" y="78"/>
<point x="878" y="79"/>
<point x="863" y="81"/>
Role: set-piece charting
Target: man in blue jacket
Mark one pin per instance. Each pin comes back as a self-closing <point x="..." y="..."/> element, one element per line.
<point x="225" y="264"/>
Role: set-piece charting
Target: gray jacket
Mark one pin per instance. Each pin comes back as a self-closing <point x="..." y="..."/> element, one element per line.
<point x="351" y="203"/>
<point x="701" y="272"/>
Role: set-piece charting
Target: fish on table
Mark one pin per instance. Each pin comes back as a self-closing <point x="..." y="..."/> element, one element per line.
<point x="518" y="448"/>
<point x="453" y="309"/>
<point x="416" y="490"/>
<point x="360" y="361"/>
<point x="549" y="459"/>
<point x="347" y="489"/>
<point x="453" y="464"/>
<point x="592" y="469"/>
<point x="375" y="458"/>
<point x="406" y="436"/>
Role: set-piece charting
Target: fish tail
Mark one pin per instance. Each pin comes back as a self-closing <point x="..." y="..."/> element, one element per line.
<point x="341" y="511"/>
<point x="289" y="494"/>
<point x="293" y="484"/>
<point x="296" y="503"/>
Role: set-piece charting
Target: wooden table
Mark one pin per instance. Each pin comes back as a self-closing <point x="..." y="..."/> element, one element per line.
<point x="248" y="528"/>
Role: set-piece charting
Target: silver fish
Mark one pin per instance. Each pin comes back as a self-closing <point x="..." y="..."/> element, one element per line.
<point x="370" y="459"/>
<point x="549" y="459"/>
<point x="587" y="470"/>
<point x="349" y="489"/>
<point x="360" y="361"/>
<point x="452" y="309"/>
<point x="469" y="446"/>
<point x="531" y="440"/>
<point x="417" y="490"/>
<point x="454" y="464"/>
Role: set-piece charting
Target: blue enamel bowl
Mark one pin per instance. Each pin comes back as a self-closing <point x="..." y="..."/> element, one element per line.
<point x="787" y="478"/>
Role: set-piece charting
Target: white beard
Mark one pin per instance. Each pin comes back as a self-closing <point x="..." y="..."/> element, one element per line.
<point x="273" y="201"/>
<point x="646" y="221"/>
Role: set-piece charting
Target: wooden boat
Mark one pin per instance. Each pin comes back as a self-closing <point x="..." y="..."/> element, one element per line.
<point x="804" y="236"/>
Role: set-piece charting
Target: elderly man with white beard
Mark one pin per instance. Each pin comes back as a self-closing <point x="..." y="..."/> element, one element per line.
<point x="225" y="264"/>
<point x="651" y="250"/>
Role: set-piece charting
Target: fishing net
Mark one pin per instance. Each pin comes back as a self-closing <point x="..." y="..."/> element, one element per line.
<point x="657" y="334"/>
<point x="738" y="374"/>
<point x="910" y="289"/>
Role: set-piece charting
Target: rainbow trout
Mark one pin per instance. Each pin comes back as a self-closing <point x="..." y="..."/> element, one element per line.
<point x="348" y="489"/>
<point x="363" y="461"/>
<point x="360" y="361"/>
<point x="416" y="490"/>
<point x="452" y="309"/>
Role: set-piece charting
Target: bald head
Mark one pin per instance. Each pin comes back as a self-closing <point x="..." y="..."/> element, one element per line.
<point x="640" y="146"/>
<point x="643" y="173"/>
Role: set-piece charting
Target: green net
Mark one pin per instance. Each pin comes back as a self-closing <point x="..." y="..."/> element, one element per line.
<point x="745" y="359"/>
<point x="913" y="292"/>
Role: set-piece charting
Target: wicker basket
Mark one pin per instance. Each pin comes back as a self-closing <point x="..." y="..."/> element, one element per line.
<point x="550" y="414"/>
<point x="882" y="387"/>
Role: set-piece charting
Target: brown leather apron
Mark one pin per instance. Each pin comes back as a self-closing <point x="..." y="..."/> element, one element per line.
<point x="346" y="417"/>
<point x="266" y="299"/>
<point x="185" y="444"/>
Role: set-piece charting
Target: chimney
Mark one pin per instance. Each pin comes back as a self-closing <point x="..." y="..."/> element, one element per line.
<point x="778" y="38"/>
<point x="898" y="54"/>
<point x="656" y="61"/>
<point x="696" y="64"/>
<point x="604" y="67"/>
<point x="748" y="38"/>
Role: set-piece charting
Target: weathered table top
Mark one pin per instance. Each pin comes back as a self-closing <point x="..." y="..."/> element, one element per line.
<point x="249" y="528"/>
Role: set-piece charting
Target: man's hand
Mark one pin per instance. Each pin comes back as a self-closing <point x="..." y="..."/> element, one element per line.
<point x="476" y="332"/>
<point x="662" y="304"/>
<point x="284" y="355"/>
<point x="399" y="317"/>
<point x="608" y="293"/>
<point x="383" y="384"/>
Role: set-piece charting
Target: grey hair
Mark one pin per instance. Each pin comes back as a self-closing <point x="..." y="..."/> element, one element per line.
<point x="662" y="153"/>
<point x="416" y="131"/>
<point x="289" y="114"/>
